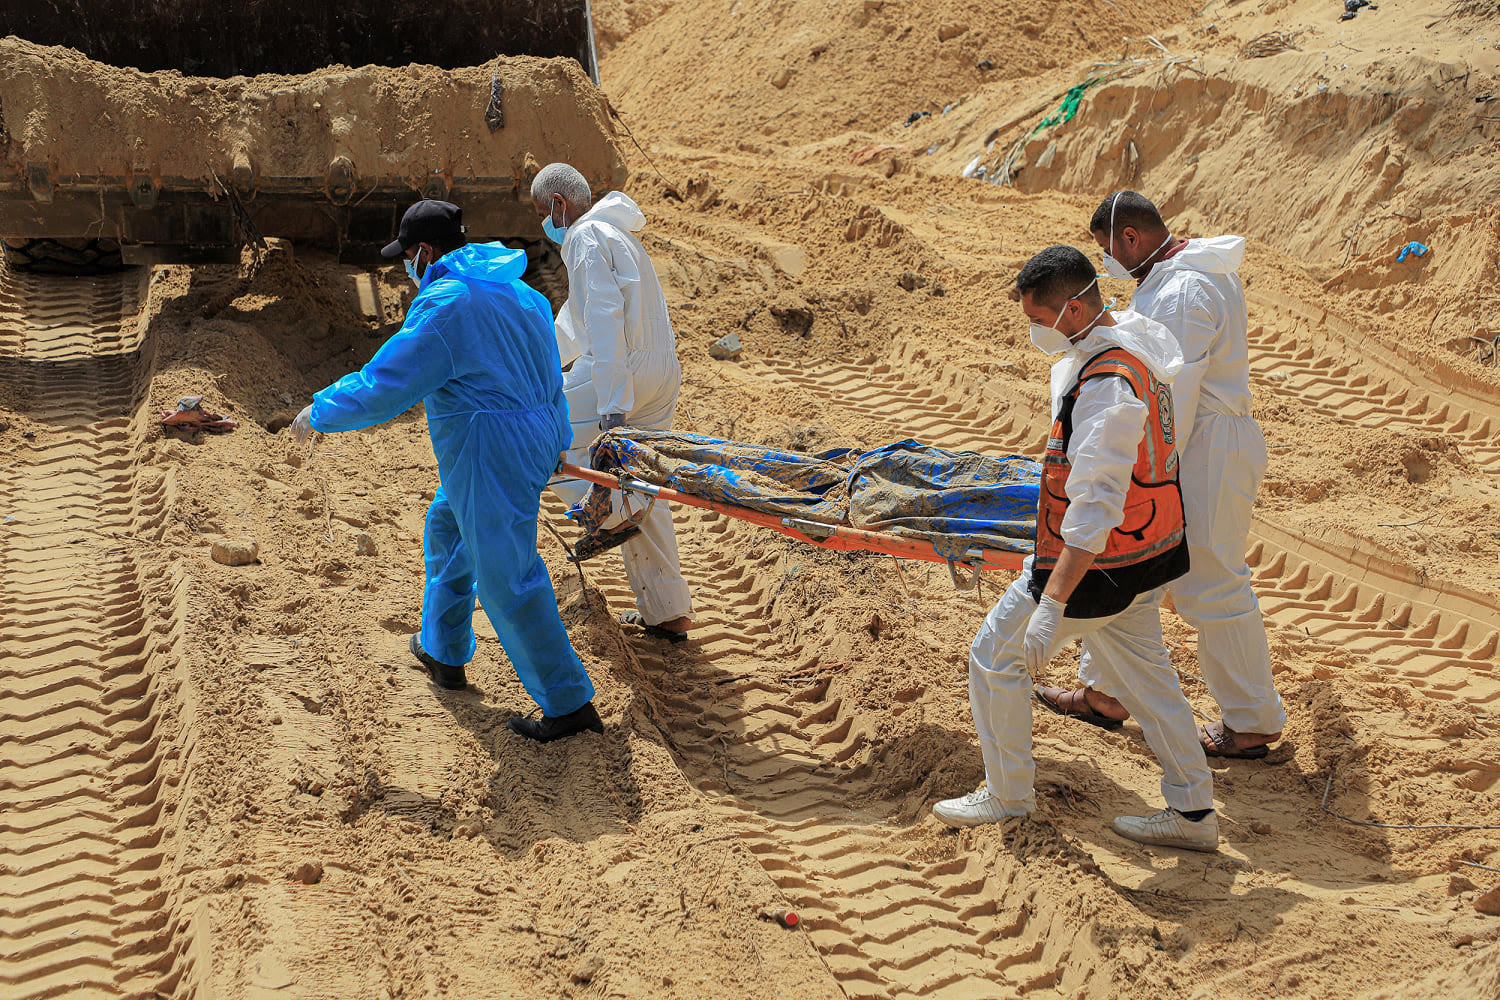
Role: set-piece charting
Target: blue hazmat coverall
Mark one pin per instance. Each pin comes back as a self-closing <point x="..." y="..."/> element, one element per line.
<point x="478" y="348"/>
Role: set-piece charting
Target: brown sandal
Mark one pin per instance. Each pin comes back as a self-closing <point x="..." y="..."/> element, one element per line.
<point x="1218" y="741"/>
<point x="1073" y="704"/>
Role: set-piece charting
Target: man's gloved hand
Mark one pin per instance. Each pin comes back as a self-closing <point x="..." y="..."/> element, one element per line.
<point x="302" y="427"/>
<point x="609" y="421"/>
<point x="1041" y="634"/>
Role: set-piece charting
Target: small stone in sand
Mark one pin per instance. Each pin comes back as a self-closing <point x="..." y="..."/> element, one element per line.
<point x="726" y="348"/>
<point x="235" y="551"/>
<point x="587" y="969"/>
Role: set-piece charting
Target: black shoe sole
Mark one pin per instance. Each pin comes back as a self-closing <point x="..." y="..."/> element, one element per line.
<point x="444" y="675"/>
<point x="1092" y="718"/>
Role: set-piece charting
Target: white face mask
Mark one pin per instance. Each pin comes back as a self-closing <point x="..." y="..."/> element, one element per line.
<point x="411" y="269"/>
<point x="1113" y="267"/>
<point x="1050" y="340"/>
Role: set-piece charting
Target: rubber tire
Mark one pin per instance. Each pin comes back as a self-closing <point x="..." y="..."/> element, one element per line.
<point x="62" y="256"/>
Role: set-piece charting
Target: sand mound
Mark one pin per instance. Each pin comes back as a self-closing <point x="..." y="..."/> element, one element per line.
<point x="1338" y="152"/>
<point x="798" y="70"/>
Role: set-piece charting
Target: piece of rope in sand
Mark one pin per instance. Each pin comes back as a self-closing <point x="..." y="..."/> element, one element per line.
<point x="1328" y="786"/>
<point x="1408" y="524"/>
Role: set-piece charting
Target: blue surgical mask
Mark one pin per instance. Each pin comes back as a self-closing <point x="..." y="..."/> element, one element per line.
<point x="411" y="270"/>
<point x="554" y="232"/>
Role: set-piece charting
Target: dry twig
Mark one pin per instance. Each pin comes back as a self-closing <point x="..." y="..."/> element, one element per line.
<point x="1269" y="43"/>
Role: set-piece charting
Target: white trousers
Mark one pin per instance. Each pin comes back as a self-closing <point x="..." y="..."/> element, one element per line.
<point x="1221" y="472"/>
<point x="651" y="563"/>
<point x="1134" y="661"/>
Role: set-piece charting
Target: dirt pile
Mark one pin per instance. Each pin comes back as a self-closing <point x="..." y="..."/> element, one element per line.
<point x="202" y="38"/>
<point x="393" y="123"/>
<point x="793" y="71"/>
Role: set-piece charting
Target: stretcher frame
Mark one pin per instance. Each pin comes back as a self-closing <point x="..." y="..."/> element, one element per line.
<point x="837" y="537"/>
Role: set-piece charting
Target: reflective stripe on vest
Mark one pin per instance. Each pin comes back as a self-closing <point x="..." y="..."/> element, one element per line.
<point x="1153" y="522"/>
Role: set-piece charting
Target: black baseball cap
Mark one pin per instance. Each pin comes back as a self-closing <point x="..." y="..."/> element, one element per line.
<point x="426" y="222"/>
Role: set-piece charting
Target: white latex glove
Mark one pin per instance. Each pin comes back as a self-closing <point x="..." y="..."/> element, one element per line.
<point x="302" y="427"/>
<point x="609" y="421"/>
<point x="1041" y="634"/>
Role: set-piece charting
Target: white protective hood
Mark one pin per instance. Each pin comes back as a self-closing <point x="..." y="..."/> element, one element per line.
<point x="619" y="210"/>
<point x="1142" y="337"/>
<point x="615" y="209"/>
<point x="1212" y="255"/>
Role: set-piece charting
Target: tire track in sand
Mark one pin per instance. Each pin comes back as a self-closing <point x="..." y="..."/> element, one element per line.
<point x="771" y="754"/>
<point x="87" y="639"/>
<point x="1374" y="391"/>
<point x="44" y="318"/>
<point x="1440" y="638"/>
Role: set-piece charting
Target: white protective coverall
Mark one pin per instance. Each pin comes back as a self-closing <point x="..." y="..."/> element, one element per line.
<point x="1197" y="295"/>
<point x="615" y="330"/>
<point x="1108" y="424"/>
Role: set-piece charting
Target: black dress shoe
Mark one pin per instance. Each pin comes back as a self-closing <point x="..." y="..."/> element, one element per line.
<point x="546" y="729"/>
<point x="444" y="675"/>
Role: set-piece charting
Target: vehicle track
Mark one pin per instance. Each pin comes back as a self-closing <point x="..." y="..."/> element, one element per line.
<point x="88" y="766"/>
<point x="47" y="318"/>
<point x="772" y="756"/>
<point x="1285" y="360"/>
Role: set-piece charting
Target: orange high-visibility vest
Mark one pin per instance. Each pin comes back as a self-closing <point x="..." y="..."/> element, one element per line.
<point x="1149" y="548"/>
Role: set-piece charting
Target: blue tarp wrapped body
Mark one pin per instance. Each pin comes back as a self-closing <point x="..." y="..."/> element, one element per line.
<point x="954" y="499"/>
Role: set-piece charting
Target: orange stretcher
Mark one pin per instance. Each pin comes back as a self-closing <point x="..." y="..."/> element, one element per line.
<point x="838" y="537"/>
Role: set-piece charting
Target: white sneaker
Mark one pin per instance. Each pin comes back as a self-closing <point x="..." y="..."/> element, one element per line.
<point x="977" y="808"/>
<point x="1170" y="828"/>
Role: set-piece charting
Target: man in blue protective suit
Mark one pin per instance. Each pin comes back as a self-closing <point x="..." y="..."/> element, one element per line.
<point x="478" y="348"/>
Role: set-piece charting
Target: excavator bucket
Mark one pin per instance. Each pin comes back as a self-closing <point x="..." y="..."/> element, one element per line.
<point x="182" y="130"/>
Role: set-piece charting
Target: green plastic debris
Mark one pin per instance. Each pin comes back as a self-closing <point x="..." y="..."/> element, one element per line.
<point x="1067" y="109"/>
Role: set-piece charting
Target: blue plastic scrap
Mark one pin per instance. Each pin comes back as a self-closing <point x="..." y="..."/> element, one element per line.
<point x="1413" y="248"/>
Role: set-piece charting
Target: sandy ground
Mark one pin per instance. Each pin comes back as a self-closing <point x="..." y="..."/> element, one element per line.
<point x="229" y="781"/>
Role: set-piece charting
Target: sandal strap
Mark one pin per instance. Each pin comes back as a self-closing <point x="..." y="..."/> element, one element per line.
<point x="1218" y="734"/>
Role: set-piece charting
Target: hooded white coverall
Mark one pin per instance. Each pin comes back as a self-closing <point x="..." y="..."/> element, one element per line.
<point x="1108" y="424"/>
<point x="615" y="330"/>
<point x="1196" y="294"/>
